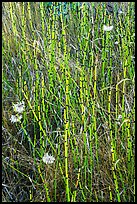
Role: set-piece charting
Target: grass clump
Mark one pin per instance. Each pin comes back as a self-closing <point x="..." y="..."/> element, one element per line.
<point x="68" y="114"/>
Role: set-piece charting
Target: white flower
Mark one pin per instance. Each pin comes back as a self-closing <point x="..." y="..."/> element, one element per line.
<point x="19" y="107"/>
<point x="119" y="117"/>
<point x="116" y="43"/>
<point x="56" y="145"/>
<point x="120" y="11"/>
<point x="15" y="119"/>
<point x="48" y="159"/>
<point x="107" y="28"/>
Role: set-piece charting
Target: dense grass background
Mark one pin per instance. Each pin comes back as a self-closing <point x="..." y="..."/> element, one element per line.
<point x="78" y="85"/>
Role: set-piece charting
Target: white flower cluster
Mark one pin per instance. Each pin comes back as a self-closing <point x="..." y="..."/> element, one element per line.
<point x="18" y="108"/>
<point x="15" y="119"/>
<point x="48" y="159"/>
<point x="118" y="121"/>
<point x="107" y="28"/>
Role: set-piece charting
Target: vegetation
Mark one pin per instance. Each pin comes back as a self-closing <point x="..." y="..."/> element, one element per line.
<point x="68" y="102"/>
